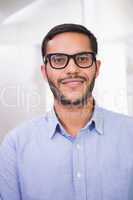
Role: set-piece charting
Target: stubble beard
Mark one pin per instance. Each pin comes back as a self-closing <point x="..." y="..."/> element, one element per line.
<point x="62" y="99"/>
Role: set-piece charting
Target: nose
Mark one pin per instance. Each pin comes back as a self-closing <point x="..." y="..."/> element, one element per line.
<point x="72" y="67"/>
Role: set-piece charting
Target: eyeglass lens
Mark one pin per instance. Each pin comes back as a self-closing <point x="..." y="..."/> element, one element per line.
<point x="83" y="60"/>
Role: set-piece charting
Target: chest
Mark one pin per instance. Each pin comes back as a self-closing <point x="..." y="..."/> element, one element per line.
<point x="89" y="168"/>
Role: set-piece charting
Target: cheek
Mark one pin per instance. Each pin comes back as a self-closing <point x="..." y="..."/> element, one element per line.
<point x="53" y="74"/>
<point x="90" y="73"/>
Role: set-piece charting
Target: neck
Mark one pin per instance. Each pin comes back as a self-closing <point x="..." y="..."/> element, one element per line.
<point x="73" y="118"/>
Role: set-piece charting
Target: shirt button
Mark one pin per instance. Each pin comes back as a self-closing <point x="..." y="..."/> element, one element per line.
<point x="78" y="146"/>
<point x="78" y="175"/>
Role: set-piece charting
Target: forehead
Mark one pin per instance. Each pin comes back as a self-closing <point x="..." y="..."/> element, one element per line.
<point x="70" y="42"/>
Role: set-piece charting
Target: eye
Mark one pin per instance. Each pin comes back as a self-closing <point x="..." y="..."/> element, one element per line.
<point x="58" y="59"/>
<point x="85" y="58"/>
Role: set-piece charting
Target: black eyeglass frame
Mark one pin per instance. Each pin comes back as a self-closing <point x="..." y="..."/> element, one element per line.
<point x="73" y="56"/>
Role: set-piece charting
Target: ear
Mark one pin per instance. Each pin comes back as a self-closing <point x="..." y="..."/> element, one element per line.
<point x="98" y="64"/>
<point x="43" y="71"/>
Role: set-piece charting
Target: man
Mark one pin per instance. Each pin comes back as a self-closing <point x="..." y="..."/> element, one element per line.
<point x="78" y="151"/>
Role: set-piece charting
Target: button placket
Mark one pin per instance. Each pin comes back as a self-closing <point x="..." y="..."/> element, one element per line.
<point x="79" y="168"/>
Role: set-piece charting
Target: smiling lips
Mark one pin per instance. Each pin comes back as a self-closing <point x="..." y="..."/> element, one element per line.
<point x="73" y="81"/>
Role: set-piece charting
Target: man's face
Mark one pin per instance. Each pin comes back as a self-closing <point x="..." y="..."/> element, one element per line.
<point x="71" y="85"/>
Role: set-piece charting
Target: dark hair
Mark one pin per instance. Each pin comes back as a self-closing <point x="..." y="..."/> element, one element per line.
<point x="62" y="28"/>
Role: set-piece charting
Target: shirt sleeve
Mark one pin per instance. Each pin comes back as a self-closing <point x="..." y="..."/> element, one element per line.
<point x="9" y="182"/>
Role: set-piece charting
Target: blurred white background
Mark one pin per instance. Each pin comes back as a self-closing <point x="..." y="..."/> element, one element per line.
<point x="23" y="24"/>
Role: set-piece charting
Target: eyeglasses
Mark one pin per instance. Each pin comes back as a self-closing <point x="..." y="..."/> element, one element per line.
<point x="61" y="60"/>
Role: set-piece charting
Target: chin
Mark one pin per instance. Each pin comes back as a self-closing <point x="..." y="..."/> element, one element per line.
<point x="73" y="101"/>
<point x="72" y="98"/>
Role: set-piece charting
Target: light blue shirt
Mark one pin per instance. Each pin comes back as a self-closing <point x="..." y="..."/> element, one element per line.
<point x="39" y="161"/>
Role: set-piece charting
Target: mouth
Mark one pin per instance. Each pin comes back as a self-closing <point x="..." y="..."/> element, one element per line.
<point x="72" y="82"/>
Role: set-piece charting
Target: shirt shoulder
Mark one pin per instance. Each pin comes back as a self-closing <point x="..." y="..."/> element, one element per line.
<point x="115" y="116"/>
<point x="117" y="121"/>
<point x="28" y="131"/>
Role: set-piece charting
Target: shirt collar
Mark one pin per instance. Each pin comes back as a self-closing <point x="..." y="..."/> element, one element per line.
<point x="53" y="123"/>
<point x="97" y="119"/>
